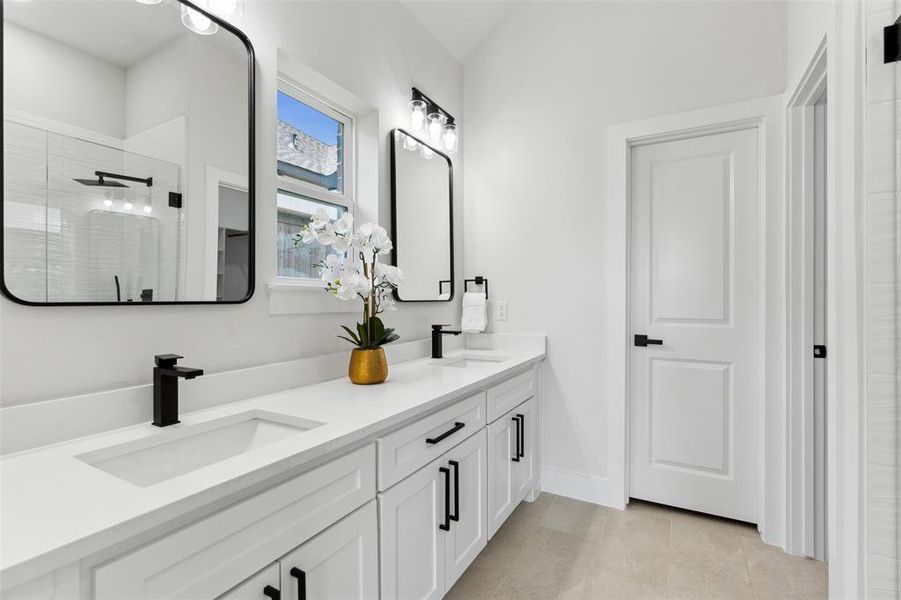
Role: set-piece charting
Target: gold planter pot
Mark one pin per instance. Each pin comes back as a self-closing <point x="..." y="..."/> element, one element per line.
<point x="367" y="366"/>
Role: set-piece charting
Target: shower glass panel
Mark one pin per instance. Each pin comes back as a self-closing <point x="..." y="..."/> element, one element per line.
<point x="68" y="241"/>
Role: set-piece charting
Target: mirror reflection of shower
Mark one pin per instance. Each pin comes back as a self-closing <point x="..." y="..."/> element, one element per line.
<point x="87" y="222"/>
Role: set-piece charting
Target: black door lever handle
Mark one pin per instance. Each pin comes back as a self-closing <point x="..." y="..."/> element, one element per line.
<point x="643" y="340"/>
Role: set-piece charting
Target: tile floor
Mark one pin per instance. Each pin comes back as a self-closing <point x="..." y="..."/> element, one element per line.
<point x="561" y="548"/>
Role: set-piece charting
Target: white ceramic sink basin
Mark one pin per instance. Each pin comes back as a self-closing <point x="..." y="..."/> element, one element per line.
<point x="172" y="453"/>
<point x="469" y="362"/>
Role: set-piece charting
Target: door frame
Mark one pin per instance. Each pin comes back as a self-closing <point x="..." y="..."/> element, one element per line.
<point x="800" y="148"/>
<point x="765" y="115"/>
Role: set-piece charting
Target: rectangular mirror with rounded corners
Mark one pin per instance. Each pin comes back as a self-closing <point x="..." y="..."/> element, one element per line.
<point x="128" y="160"/>
<point x="422" y="219"/>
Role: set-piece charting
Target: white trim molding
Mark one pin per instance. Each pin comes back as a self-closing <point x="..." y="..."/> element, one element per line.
<point x="766" y="116"/>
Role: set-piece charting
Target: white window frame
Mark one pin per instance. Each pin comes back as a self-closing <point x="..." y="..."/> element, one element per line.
<point x="346" y="198"/>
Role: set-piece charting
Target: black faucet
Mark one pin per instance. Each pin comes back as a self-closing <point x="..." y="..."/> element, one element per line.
<point x="165" y="388"/>
<point x="437" y="333"/>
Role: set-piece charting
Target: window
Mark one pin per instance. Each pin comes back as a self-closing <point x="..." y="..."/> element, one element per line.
<point x="315" y="169"/>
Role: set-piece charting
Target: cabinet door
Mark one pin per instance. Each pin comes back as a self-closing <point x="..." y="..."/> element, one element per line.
<point x="262" y="586"/>
<point x="501" y="455"/>
<point x="526" y="470"/>
<point x="411" y="541"/>
<point x="341" y="563"/>
<point x="468" y="533"/>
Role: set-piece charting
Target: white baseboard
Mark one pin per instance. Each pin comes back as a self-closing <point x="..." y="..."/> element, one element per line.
<point x="588" y="488"/>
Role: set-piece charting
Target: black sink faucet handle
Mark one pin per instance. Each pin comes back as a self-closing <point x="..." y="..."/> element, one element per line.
<point x="166" y="361"/>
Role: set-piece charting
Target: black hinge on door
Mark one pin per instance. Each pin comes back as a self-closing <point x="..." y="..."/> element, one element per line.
<point x="819" y="351"/>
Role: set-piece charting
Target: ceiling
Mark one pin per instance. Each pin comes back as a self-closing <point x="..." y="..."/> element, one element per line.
<point x="121" y="32"/>
<point x="461" y="26"/>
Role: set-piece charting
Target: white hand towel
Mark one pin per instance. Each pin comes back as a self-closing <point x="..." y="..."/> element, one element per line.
<point x="475" y="312"/>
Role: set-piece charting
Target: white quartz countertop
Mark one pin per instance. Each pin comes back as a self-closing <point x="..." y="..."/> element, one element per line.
<point x="55" y="508"/>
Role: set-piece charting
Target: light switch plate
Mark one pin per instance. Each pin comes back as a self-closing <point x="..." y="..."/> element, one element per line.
<point x="501" y="311"/>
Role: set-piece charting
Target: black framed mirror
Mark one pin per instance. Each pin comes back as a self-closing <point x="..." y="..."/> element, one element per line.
<point x="422" y="219"/>
<point x="128" y="154"/>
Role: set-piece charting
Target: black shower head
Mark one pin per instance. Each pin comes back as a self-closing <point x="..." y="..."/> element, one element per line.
<point x="100" y="182"/>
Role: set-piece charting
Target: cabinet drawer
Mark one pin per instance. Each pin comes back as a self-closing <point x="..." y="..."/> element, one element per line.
<point x="406" y="450"/>
<point x="504" y="396"/>
<point x="207" y="558"/>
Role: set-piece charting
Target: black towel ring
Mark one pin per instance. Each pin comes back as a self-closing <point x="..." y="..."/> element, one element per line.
<point x="477" y="280"/>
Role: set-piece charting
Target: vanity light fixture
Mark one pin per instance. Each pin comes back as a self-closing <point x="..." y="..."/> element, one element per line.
<point x="437" y="121"/>
<point x="428" y="118"/>
<point x="128" y="206"/>
<point x="148" y="209"/>
<point x="450" y="137"/>
<point x="107" y="203"/>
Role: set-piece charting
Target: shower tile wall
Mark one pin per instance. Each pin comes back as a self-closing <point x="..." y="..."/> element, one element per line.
<point x="883" y="294"/>
<point x="65" y="242"/>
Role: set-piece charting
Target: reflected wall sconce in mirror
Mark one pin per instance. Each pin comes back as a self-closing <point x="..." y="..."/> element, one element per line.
<point x="429" y="121"/>
<point x="196" y="18"/>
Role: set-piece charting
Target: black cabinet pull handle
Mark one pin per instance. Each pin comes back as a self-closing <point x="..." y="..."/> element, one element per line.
<point x="457" y="427"/>
<point x="518" y="439"/>
<point x="522" y="436"/>
<point x="446" y="525"/>
<point x="272" y="593"/>
<point x="643" y="340"/>
<point x="301" y="577"/>
<point x="456" y="466"/>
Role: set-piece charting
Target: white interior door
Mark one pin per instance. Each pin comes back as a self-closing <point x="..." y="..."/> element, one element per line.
<point x="694" y="288"/>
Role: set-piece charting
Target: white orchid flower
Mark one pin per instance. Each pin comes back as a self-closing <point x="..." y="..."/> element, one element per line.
<point x="320" y="218"/>
<point x="345" y="224"/>
<point x="345" y="292"/>
<point x="327" y="235"/>
<point x="341" y="243"/>
<point x="388" y="274"/>
<point x="308" y="235"/>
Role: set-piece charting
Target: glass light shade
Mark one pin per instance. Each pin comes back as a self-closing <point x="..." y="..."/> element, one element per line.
<point x="410" y="143"/>
<point x="450" y="138"/>
<point x="148" y="209"/>
<point x="436" y="127"/>
<point x="427" y="153"/>
<point x="197" y="21"/>
<point x="128" y="206"/>
<point x="107" y="204"/>
<point x="417" y="115"/>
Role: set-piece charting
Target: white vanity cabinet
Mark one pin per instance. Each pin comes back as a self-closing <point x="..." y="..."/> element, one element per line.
<point x="513" y="458"/>
<point x="341" y="563"/>
<point x="434" y="523"/>
<point x="257" y="586"/>
<point x="210" y="556"/>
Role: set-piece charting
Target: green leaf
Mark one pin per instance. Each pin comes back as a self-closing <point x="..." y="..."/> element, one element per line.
<point x="355" y="340"/>
<point x="355" y="343"/>
<point x="378" y="328"/>
<point x="389" y="338"/>
<point x="364" y="335"/>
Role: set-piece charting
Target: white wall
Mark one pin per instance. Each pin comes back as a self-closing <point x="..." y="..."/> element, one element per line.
<point x="54" y="71"/>
<point x="374" y="49"/>
<point x="539" y="97"/>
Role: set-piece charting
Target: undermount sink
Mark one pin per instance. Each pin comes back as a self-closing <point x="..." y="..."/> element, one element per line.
<point x="468" y="362"/>
<point x="157" y="458"/>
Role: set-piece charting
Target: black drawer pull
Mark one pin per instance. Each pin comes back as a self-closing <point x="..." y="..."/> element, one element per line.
<point x="516" y="455"/>
<point x="446" y="525"/>
<point x="522" y="436"/>
<point x="301" y="577"/>
<point x="272" y="593"/>
<point x="456" y="466"/>
<point x="457" y="427"/>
